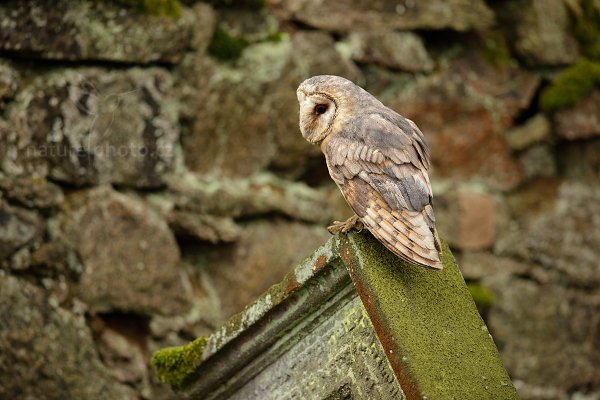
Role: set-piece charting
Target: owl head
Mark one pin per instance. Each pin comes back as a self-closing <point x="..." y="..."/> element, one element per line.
<point x="327" y="100"/>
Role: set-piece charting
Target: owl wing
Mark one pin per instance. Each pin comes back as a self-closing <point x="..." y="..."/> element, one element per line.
<point x="380" y="164"/>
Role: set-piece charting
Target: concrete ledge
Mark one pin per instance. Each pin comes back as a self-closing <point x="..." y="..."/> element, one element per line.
<point x="436" y="343"/>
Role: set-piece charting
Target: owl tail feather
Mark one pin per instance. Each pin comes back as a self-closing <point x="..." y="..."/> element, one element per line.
<point x="405" y="233"/>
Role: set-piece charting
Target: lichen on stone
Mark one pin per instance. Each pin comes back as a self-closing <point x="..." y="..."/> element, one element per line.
<point x="571" y="85"/>
<point x="170" y="8"/>
<point x="174" y="365"/>
<point x="481" y="295"/>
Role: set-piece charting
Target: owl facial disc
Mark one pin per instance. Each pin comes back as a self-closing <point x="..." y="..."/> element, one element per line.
<point x="317" y="114"/>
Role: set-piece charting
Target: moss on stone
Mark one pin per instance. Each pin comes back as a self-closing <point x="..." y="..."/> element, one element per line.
<point x="496" y="51"/>
<point x="571" y="85"/>
<point x="586" y="26"/>
<point x="482" y="296"/>
<point x="225" y="46"/>
<point x="274" y="37"/>
<point x="170" y="8"/>
<point x="580" y="79"/>
<point x="175" y="365"/>
<point x="430" y="325"/>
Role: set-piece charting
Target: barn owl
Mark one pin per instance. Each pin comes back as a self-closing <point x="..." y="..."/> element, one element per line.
<point x="379" y="160"/>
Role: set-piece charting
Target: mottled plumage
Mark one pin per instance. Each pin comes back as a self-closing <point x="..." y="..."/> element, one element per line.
<point x="379" y="160"/>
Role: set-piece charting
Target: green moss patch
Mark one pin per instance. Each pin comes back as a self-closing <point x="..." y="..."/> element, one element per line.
<point x="436" y="341"/>
<point x="495" y="50"/>
<point x="586" y="26"/>
<point x="175" y="365"/>
<point x="225" y="46"/>
<point x="170" y="8"/>
<point x="482" y="296"/>
<point x="571" y="85"/>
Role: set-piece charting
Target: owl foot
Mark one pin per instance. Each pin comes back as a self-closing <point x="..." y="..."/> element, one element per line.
<point x="344" y="227"/>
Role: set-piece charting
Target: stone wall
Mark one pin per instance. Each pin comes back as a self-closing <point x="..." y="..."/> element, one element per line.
<point x="153" y="178"/>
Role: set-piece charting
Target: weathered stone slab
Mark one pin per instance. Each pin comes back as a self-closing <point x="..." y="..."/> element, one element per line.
<point x="348" y="15"/>
<point x="18" y="228"/>
<point x="245" y="116"/>
<point x="31" y="191"/>
<point x="538" y="161"/>
<point x="463" y="110"/>
<point x="582" y="120"/>
<point x="257" y="195"/>
<point x="468" y="216"/>
<point x="403" y="51"/>
<point x="581" y="160"/>
<point x="310" y="337"/>
<point x="560" y="231"/>
<point x="264" y="252"/>
<point x="567" y="238"/>
<point x="128" y="252"/>
<point x="229" y="134"/>
<point x="203" y="226"/>
<point x="313" y="53"/>
<point x="92" y="125"/>
<point x="46" y="352"/>
<point x="534" y="130"/>
<point x="9" y="82"/>
<point x="96" y="30"/>
<point x="550" y="343"/>
<point x="542" y="32"/>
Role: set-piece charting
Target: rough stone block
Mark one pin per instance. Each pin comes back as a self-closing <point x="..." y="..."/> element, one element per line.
<point x="404" y="51"/>
<point x="463" y="110"/>
<point x="91" y="125"/>
<point x="468" y="218"/>
<point x="46" y="351"/>
<point x="582" y="120"/>
<point x="128" y="253"/>
<point x="347" y="15"/>
<point x="97" y="30"/>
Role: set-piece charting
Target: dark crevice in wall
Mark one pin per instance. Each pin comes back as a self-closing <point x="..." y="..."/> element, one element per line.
<point x="39" y="63"/>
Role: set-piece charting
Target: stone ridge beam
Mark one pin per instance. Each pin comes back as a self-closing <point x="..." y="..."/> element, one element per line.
<point x="437" y="345"/>
<point x="202" y="367"/>
<point x="428" y="324"/>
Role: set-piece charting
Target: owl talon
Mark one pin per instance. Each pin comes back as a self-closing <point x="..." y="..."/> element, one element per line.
<point x="352" y="223"/>
<point x="335" y="228"/>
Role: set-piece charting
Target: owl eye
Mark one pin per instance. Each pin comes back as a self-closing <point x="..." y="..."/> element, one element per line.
<point x="321" y="108"/>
